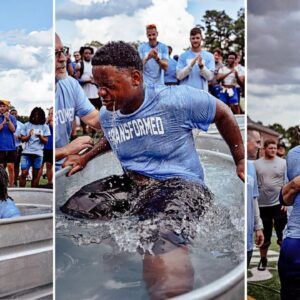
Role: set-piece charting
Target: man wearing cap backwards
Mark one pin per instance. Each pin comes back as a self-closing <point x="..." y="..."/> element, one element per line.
<point x="155" y="57"/>
<point x="8" y="125"/>
<point x="196" y="66"/>
<point x="150" y="131"/>
<point x="70" y="101"/>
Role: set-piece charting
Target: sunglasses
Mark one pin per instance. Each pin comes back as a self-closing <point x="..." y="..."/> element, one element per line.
<point x="64" y="51"/>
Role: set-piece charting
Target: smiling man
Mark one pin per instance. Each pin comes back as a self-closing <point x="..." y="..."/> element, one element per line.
<point x="150" y="131"/>
<point x="195" y="66"/>
<point x="155" y="57"/>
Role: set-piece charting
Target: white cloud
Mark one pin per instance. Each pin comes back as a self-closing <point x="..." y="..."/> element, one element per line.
<point x="26" y="70"/>
<point x="173" y="28"/>
<point x="88" y="2"/>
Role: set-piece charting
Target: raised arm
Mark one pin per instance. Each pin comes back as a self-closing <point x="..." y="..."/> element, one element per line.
<point x="290" y="190"/>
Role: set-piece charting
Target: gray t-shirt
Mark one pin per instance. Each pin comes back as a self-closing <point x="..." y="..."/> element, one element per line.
<point x="271" y="176"/>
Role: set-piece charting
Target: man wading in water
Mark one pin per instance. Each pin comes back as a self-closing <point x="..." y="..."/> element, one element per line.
<point x="150" y="131"/>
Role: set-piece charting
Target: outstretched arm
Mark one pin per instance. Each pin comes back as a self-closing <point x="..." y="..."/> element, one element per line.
<point x="230" y="132"/>
<point x="78" y="162"/>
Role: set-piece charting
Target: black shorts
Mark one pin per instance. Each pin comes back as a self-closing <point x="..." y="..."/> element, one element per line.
<point x="8" y="156"/>
<point x="273" y="215"/>
<point x="173" y="202"/>
<point x="48" y="156"/>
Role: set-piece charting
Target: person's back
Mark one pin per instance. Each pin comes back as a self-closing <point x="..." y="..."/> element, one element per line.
<point x="8" y="208"/>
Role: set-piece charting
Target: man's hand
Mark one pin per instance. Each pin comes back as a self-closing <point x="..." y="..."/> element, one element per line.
<point x="77" y="163"/>
<point x="240" y="169"/>
<point x="194" y="60"/>
<point x="78" y="144"/>
<point x="6" y="115"/>
<point x="259" y="238"/>
<point x="283" y="209"/>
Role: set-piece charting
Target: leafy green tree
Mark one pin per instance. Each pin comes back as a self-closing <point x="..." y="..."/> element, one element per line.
<point x="223" y="32"/>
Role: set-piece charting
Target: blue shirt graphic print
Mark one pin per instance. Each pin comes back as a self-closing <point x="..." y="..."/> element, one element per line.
<point x="157" y="139"/>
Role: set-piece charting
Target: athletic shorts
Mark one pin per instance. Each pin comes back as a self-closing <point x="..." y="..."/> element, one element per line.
<point x="31" y="160"/>
<point x="230" y="99"/>
<point x="172" y="201"/>
<point x="273" y="215"/>
<point x="48" y="156"/>
<point x="289" y="269"/>
<point x="8" y="156"/>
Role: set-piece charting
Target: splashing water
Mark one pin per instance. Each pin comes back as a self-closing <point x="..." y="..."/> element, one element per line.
<point x="108" y="250"/>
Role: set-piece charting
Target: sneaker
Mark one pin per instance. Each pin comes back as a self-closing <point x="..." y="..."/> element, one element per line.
<point x="262" y="264"/>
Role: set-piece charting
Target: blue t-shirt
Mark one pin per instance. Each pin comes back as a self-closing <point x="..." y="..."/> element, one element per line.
<point x="252" y="194"/>
<point x="153" y="73"/>
<point x="7" y="138"/>
<point x="157" y="140"/>
<point x="293" y="170"/>
<point x="195" y="79"/>
<point x="170" y="74"/>
<point x="8" y="209"/>
<point x="18" y="133"/>
<point x="70" y="101"/>
<point x="49" y="145"/>
<point x="34" y="144"/>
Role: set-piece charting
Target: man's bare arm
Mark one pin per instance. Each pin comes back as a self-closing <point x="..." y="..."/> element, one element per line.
<point x="290" y="190"/>
<point x="230" y="132"/>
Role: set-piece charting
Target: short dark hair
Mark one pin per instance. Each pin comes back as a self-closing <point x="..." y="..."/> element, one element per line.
<point x="82" y="49"/>
<point x="3" y="184"/>
<point x="195" y="31"/>
<point x="41" y="113"/>
<point x="269" y="142"/>
<point x="118" y="54"/>
<point x="232" y="53"/>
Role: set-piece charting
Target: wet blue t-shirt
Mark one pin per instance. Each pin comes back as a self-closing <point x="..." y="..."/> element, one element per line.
<point x="293" y="170"/>
<point x="8" y="209"/>
<point x="157" y="140"/>
<point x="153" y="73"/>
<point x="7" y="138"/>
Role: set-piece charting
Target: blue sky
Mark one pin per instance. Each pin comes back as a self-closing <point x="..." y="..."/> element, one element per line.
<point x="106" y="20"/>
<point x="29" y="15"/>
<point x="26" y="51"/>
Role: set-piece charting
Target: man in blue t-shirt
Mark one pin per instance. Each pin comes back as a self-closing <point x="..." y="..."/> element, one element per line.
<point x="170" y="73"/>
<point x="8" y="125"/>
<point x="196" y="66"/>
<point x="155" y="57"/>
<point x="289" y="259"/>
<point x="254" y="222"/>
<point x="70" y="101"/>
<point x="150" y="131"/>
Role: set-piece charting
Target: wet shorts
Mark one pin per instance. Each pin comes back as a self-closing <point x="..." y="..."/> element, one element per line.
<point x="175" y="203"/>
<point x="31" y="160"/>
